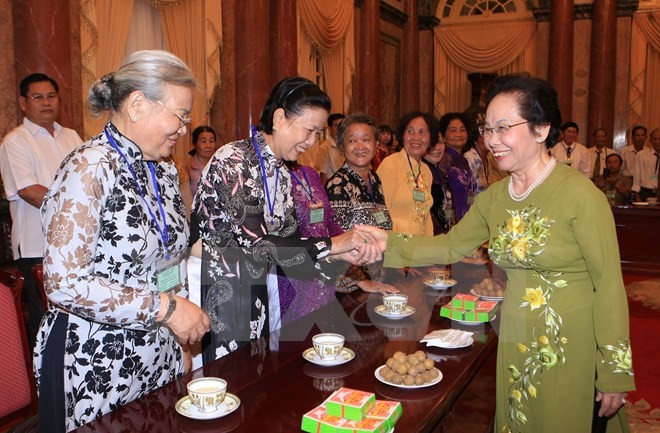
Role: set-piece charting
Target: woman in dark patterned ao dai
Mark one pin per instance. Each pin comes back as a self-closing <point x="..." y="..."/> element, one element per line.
<point x="115" y="231"/>
<point x="356" y="197"/>
<point x="244" y="222"/>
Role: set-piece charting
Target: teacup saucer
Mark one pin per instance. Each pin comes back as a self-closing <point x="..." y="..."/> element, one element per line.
<point x="185" y="407"/>
<point x="313" y="357"/>
<point x="439" y="285"/>
<point x="383" y="311"/>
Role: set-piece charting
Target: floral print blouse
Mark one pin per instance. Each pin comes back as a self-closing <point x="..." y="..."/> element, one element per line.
<point x="353" y="202"/>
<point x="246" y="225"/>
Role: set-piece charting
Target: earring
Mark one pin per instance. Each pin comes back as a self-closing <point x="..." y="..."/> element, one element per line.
<point x="134" y="119"/>
<point x="274" y="130"/>
<point x="539" y="140"/>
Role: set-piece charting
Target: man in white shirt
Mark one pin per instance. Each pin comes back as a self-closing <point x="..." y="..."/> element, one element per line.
<point x="629" y="153"/>
<point x="29" y="158"/>
<point x="329" y="157"/>
<point x="647" y="169"/>
<point x="570" y="152"/>
<point x="598" y="153"/>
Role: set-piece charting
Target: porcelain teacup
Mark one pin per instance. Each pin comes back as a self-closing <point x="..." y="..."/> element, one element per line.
<point x="395" y="303"/>
<point x="327" y="345"/>
<point x="207" y="393"/>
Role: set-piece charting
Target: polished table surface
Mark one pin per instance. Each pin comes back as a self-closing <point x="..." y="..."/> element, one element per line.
<point x="277" y="386"/>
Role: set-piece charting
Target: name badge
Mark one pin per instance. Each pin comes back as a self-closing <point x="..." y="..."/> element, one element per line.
<point x="380" y="217"/>
<point x="168" y="273"/>
<point x="418" y="195"/>
<point x="316" y="215"/>
<point x="569" y="161"/>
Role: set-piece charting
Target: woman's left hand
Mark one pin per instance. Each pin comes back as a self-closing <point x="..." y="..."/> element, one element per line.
<point x="377" y="287"/>
<point x="610" y="402"/>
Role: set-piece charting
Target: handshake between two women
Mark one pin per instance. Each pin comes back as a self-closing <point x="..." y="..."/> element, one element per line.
<point x="361" y="245"/>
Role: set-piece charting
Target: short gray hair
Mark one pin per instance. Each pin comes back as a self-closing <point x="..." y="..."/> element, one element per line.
<point x="147" y="71"/>
<point x="351" y="120"/>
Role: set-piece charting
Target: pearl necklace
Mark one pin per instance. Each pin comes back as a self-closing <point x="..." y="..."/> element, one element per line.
<point x="544" y="174"/>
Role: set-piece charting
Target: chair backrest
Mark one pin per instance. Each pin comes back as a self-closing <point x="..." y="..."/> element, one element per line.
<point x="18" y="399"/>
<point x="38" y="275"/>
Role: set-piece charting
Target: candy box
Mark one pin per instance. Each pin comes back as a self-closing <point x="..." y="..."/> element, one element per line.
<point x="390" y="411"/>
<point x="367" y="425"/>
<point x="317" y="420"/>
<point x="466" y="302"/>
<point x="350" y="404"/>
<point x="450" y="312"/>
<point x="484" y="312"/>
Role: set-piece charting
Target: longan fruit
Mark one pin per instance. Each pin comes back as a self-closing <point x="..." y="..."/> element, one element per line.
<point x="429" y="363"/>
<point x="401" y="369"/>
<point x="427" y="376"/>
<point x="397" y="379"/>
<point x="409" y="381"/>
<point x="391" y="363"/>
<point x="412" y="359"/>
<point x="435" y="373"/>
<point x="419" y="380"/>
<point x="420" y="368"/>
<point x="399" y="356"/>
<point x="421" y="355"/>
<point x="412" y="371"/>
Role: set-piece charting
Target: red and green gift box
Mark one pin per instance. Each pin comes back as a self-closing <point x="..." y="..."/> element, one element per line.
<point x="380" y="419"/>
<point x="450" y="312"/>
<point x="350" y="404"/>
<point x="483" y="312"/>
<point x="317" y="420"/>
<point x="465" y="302"/>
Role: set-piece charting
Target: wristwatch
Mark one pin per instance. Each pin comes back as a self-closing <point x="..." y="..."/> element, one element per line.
<point x="171" y="306"/>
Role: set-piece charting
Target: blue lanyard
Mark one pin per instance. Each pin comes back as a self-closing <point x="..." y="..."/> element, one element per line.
<point x="413" y="171"/>
<point x="309" y="190"/>
<point x="271" y="204"/>
<point x="163" y="231"/>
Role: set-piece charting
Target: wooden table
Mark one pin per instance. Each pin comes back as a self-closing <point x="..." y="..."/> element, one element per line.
<point x="277" y="386"/>
<point x="638" y="232"/>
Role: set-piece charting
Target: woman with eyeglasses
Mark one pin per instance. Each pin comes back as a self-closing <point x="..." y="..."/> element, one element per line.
<point x="564" y="361"/>
<point x="116" y="232"/>
<point x="244" y="223"/>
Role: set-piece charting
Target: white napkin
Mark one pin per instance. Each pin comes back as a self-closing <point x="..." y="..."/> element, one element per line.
<point x="448" y="338"/>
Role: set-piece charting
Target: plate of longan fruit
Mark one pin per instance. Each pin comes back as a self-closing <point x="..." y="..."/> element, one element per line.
<point x="489" y="290"/>
<point x="409" y="371"/>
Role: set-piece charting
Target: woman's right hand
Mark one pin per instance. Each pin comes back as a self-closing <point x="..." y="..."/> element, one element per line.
<point x="188" y="322"/>
<point x="379" y="235"/>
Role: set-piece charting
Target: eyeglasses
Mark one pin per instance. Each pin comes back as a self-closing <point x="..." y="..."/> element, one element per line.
<point x="500" y="130"/>
<point x="183" y="120"/>
<point x="40" y="97"/>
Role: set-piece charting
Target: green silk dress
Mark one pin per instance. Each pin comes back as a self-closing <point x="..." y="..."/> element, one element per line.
<point x="564" y="319"/>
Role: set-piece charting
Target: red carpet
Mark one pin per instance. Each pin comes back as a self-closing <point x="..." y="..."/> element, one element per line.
<point x="643" y="406"/>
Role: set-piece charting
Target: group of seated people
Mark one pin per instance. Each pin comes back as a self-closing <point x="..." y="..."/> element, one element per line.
<point x="625" y="177"/>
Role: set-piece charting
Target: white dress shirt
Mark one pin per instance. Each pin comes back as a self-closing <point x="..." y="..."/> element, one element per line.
<point x="628" y="154"/>
<point x="29" y="155"/>
<point x="645" y="174"/>
<point x="578" y="158"/>
<point x="592" y="152"/>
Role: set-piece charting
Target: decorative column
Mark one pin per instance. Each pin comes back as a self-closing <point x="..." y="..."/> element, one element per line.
<point x="252" y="63"/>
<point x="283" y="40"/>
<point x="410" y="53"/>
<point x="427" y="62"/>
<point x="560" y="71"/>
<point x="370" y="36"/>
<point x="8" y="89"/>
<point x="43" y="43"/>
<point x="602" y="74"/>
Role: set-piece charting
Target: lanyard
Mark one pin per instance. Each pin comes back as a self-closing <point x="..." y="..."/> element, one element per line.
<point x="308" y="190"/>
<point x="413" y="171"/>
<point x="163" y="231"/>
<point x="568" y="150"/>
<point x="371" y="189"/>
<point x="271" y="204"/>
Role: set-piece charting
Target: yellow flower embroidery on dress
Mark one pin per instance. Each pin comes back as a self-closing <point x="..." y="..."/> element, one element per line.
<point x="520" y="236"/>
<point x="421" y="212"/>
<point x="534" y="297"/>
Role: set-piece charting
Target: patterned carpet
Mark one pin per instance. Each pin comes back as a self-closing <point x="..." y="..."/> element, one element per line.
<point x="643" y="405"/>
